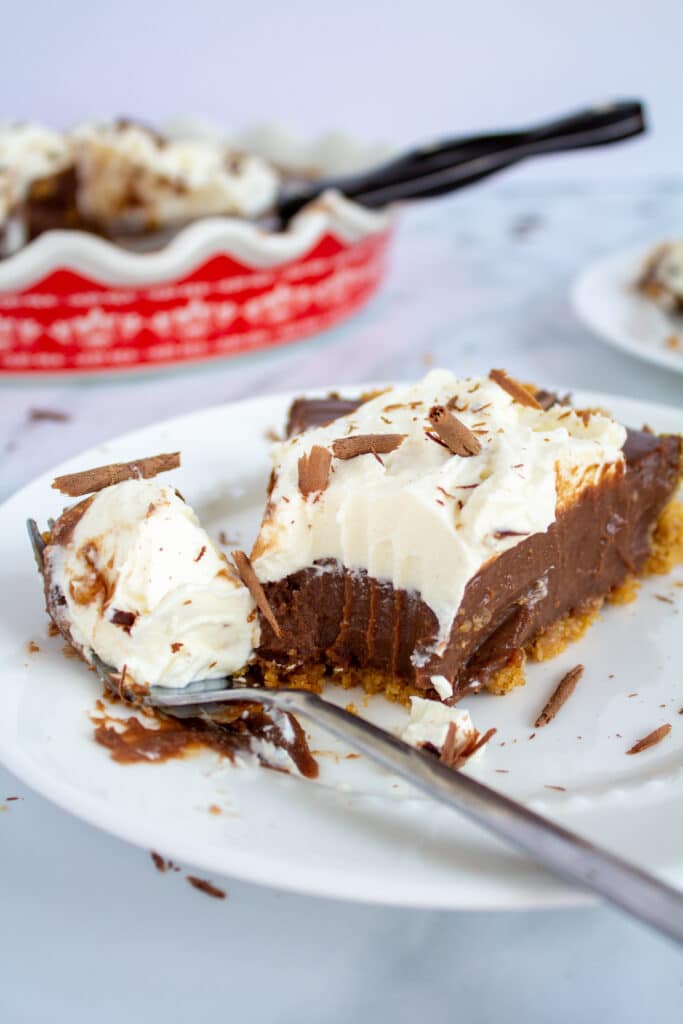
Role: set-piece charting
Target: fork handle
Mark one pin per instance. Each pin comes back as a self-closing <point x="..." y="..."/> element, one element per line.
<point x="450" y="164"/>
<point x="638" y="893"/>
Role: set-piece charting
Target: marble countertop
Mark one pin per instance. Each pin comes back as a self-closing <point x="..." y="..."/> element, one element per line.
<point x="86" y="922"/>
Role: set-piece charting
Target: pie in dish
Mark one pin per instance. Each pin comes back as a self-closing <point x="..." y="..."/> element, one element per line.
<point x="122" y="180"/>
<point x="421" y="541"/>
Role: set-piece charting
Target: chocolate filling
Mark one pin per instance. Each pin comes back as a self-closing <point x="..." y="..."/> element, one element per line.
<point x="344" y="618"/>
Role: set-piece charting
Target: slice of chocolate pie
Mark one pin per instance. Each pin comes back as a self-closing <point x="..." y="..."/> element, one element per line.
<point x="434" y="535"/>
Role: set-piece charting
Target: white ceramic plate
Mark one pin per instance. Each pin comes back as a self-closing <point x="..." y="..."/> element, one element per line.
<point x="605" y="300"/>
<point x="356" y="833"/>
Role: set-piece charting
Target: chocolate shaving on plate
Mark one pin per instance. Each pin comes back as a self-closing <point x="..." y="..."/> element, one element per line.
<point x="208" y="887"/>
<point x="251" y="582"/>
<point x="366" y="444"/>
<point x="454" y="434"/>
<point x="514" y="389"/>
<point x="314" y="470"/>
<point x="90" y="480"/>
<point x="563" y="692"/>
<point x="651" y="740"/>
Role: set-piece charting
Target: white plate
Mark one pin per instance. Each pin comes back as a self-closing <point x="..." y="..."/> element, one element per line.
<point x="356" y="833"/>
<point x="605" y="300"/>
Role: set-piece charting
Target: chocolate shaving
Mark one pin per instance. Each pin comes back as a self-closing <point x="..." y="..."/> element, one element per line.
<point x="124" y="619"/>
<point x="455" y="435"/>
<point x="208" y="887"/>
<point x="448" y="750"/>
<point x="202" y="552"/>
<point x="651" y="740"/>
<point x="314" y="470"/>
<point x="251" y="582"/>
<point x="159" y="862"/>
<point x="559" y="789"/>
<point x="476" y="743"/>
<point x="564" y="690"/>
<point x="90" y="480"/>
<point x="366" y="444"/>
<point x="514" y="389"/>
<point x="48" y="415"/>
<point x="456" y="758"/>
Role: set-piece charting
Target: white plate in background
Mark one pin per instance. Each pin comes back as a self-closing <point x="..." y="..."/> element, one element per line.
<point x="606" y="301"/>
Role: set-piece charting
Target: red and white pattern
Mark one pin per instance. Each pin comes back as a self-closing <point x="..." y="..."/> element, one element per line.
<point x="68" y="322"/>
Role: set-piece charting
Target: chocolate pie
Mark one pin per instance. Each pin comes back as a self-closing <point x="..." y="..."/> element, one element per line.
<point x="421" y="541"/>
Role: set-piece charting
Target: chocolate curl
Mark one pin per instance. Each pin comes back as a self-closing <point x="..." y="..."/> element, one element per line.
<point x="651" y="740"/>
<point x="91" y="480"/>
<point x="314" y="470"/>
<point x="455" y="758"/>
<point x="565" y="689"/>
<point x="455" y="435"/>
<point x="514" y="389"/>
<point x="251" y="582"/>
<point x="366" y="444"/>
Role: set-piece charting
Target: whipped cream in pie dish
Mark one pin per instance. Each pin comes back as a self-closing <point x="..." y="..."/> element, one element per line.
<point x="132" y="576"/>
<point x="133" y="179"/>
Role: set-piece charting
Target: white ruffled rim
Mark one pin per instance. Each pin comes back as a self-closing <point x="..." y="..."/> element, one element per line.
<point x="249" y="243"/>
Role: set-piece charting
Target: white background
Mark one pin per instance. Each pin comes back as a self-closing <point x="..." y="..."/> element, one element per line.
<point x="397" y="71"/>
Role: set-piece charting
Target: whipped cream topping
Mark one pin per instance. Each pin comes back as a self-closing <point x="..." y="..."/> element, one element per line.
<point x="130" y="178"/>
<point x="145" y="588"/>
<point x="429" y="723"/>
<point x="419" y="517"/>
<point x="28" y="152"/>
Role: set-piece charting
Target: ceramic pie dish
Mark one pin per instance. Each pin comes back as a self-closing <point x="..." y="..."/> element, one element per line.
<point x="73" y="302"/>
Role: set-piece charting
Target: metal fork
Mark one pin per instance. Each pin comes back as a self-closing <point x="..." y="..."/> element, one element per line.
<point x="575" y="859"/>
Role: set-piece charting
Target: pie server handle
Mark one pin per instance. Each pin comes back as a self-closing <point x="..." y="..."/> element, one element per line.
<point x="450" y="164"/>
<point x="575" y="859"/>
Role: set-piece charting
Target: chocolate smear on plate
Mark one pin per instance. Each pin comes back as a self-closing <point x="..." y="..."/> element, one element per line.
<point x="458" y="438"/>
<point x="366" y="444"/>
<point x="514" y="389"/>
<point x="563" y="692"/>
<point x="651" y="740"/>
<point x="229" y="733"/>
<point x="91" y="480"/>
<point x="314" y="470"/>
<point x="251" y="582"/>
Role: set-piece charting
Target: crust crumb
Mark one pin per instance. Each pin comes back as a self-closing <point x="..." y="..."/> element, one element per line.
<point x="509" y="676"/>
<point x="626" y="592"/>
<point x="666" y="549"/>
<point x="557" y="637"/>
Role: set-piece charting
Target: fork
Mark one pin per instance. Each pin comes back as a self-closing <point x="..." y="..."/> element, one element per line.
<point x="567" y="854"/>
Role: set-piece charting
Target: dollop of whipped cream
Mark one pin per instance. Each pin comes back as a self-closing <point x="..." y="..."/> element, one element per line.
<point x="430" y="721"/>
<point x="144" y="587"/>
<point x="419" y="517"/>
<point x="131" y="178"/>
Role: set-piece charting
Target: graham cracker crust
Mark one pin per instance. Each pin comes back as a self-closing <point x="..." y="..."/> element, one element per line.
<point x="666" y="551"/>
